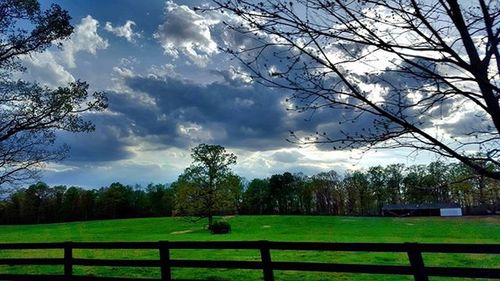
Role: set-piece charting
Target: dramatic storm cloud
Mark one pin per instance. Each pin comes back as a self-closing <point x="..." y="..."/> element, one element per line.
<point x="170" y="87"/>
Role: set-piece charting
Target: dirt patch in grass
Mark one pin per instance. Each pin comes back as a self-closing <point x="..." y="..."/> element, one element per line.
<point x="182" y="231"/>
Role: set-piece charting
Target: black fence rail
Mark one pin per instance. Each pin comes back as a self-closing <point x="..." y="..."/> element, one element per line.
<point x="416" y="267"/>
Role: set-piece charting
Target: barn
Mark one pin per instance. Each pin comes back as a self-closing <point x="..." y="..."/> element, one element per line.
<point x="424" y="209"/>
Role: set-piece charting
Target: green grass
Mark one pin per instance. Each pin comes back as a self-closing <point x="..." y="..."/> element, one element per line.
<point x="276" y="228"/>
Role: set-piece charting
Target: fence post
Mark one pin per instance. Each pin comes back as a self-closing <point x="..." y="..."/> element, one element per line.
<point x="265" y="255"/>
<point x="165" y="268"/>
<point x="68" y="260"/>
<point x="416" y="262"/>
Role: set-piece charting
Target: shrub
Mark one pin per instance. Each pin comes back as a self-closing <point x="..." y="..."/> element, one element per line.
<point x="220" y="227"/>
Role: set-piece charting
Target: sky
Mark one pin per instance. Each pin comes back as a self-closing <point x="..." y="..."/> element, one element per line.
<point x="170" y="87"/>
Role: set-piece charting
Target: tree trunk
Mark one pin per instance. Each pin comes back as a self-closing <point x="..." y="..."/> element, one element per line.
<point x="210" y="220"/>
<point x="481" y="186"/>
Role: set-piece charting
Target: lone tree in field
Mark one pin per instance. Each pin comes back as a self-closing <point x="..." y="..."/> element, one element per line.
<point x="30" y="113"/>
<point x="208" y="185"/>
<point x="415" y="74"/>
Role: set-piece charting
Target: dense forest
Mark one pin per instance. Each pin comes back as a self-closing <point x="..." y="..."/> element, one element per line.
<point x="361" y="192"/>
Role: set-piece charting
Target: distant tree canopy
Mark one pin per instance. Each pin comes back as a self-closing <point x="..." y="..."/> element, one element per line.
<point x="355" y="193"/>
<point x="30" y="113"/>
<point x="414" y="74"/>
<point x="40" y="203"/>
<point x="208" y="186"/>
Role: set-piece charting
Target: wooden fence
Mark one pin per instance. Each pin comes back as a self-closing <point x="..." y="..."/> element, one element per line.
<point x="416" y="267"/>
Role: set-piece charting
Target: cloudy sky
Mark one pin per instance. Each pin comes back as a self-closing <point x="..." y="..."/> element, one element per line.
<point x="171" y="88"/>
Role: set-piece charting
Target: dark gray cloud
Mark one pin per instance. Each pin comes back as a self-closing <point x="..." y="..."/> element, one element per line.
<point x="107" y="143"/>
<point x="170" y="112"/>
<point x="250" y="117"/>
<point x="173" y="113"/>
<point x="470" y="124"/>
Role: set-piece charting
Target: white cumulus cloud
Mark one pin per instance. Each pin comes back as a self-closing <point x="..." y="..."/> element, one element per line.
<point x="186" y="32"/>
<point x="51" y="66"/>
<point x="123" y="31"/>
<point x="84" y="39"/>
<point x="43" y="67"/>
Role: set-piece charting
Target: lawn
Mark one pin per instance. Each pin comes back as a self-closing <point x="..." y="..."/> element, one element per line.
<point x="276" y="228"/>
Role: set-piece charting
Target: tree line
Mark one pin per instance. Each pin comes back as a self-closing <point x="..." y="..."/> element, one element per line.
<point x="365" y="192"/>
<point x="40" y="203"/>
<point x="361" y="192"/>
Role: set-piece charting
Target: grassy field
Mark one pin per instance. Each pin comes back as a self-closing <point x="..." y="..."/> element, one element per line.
<point x="276" y="228"/>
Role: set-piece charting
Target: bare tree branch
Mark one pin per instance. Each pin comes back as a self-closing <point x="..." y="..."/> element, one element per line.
<point x="432" y="62"/>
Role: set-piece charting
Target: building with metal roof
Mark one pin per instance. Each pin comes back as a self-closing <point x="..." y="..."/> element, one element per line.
<point x="424" y="209"/>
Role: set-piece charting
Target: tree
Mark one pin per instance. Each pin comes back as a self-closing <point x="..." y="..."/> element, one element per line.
<point x="115" y="201"/>
<point x="34" y="198"/>
<point x="419" y="186"/>
<point x="70" y="205"/>
<point x="378" y="187"/>
<point x="329" y="193"/>
<point x="283" y="192"/>
<point x="161" y="198"/>
<point x="304" y="190"/>
<point x="401" y="69"/>
<point x="394" y="180"/>
<point x="257" y="198"/>
<point x="208" y="185"/>
<point x="30" y="113"/>
<point x="359" y="199"/>
<point x="461" y="186"/>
